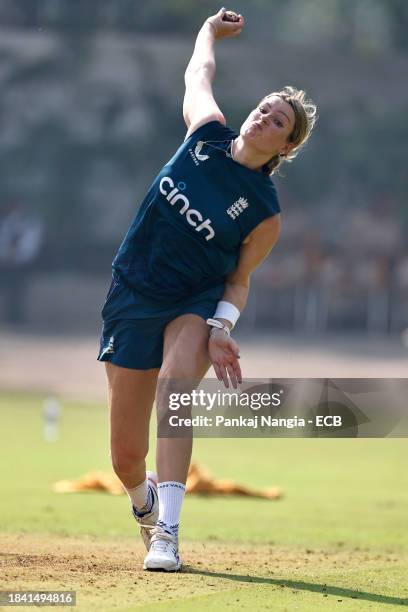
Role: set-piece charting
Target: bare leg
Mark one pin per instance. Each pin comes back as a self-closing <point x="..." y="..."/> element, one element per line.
<point x="185" y="356"/>
<point x="131" y="397"/>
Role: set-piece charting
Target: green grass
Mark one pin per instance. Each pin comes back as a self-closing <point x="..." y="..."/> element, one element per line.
<point x="339" y="495"/>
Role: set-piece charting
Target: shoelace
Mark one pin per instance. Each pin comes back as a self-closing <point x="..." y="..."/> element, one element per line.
<point x="160" y="539"/>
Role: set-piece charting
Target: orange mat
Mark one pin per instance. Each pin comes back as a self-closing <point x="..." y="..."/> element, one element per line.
<point x="199" y="481"/>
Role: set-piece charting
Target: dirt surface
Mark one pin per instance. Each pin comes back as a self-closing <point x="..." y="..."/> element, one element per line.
<point x="68" y="366"/>
<point x="107" y="573"/>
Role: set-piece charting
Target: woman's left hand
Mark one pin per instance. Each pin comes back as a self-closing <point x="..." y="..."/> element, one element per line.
<point x="224" y="355"/>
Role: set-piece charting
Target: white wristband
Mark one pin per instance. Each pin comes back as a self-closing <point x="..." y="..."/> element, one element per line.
<point x="226" y="310"/>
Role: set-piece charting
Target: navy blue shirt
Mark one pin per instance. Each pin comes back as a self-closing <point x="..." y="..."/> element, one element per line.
<point x="187" y="233"/>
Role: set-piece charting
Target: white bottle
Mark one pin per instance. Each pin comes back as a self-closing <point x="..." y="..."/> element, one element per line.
<point x="51" y="416"/>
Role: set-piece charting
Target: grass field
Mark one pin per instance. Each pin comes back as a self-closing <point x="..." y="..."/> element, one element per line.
<point x="338" y="540"/>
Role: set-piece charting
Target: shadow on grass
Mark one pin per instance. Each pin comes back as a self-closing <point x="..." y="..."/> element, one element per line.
<point x="324" y="589"/>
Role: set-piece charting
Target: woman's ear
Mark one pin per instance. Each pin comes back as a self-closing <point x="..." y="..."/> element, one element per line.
<point x="287" y="149"/>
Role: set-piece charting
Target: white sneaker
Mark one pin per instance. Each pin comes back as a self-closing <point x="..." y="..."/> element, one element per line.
<point x="148" y="521"/>
<point x="163" y="553"/>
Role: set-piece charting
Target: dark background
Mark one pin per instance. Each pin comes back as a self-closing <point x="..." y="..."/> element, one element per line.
<point x="91" y="108"/>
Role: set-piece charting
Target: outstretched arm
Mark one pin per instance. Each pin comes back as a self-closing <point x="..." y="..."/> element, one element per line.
<point x="199" y="105"/>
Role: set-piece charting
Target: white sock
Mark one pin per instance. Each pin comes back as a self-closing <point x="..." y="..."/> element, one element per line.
<point x="138" y="495"/>
<point x="171" y="496"/>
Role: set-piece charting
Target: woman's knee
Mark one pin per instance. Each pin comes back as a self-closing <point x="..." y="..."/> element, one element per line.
<point x="125" y="460"/>
<point x="168" y="397"/>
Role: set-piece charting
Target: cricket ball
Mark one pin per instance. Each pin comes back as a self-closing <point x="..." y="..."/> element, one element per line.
<point x="230" y="16"/>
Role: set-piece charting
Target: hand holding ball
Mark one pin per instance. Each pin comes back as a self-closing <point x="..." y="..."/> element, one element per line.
<point x="230" y="16"/>
<point x="226" y="24"/>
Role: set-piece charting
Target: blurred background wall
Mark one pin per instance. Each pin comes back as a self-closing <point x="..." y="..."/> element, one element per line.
<point x="91" y="108"/>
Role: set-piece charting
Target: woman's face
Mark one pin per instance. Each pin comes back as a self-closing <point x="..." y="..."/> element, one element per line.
<point x="268" y="126"/>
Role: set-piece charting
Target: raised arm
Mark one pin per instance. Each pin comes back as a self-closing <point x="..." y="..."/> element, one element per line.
<point x="199" y="105"/>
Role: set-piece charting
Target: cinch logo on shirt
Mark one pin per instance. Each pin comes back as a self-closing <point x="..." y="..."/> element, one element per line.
<point x="175" y="196"/>
<point x="237" y="208"/>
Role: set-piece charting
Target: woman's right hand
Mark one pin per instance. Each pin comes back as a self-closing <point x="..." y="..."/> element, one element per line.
<point x="225" y="29"/>
<point x="224" y="355"/>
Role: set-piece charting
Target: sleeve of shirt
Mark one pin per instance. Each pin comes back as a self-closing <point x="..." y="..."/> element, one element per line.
<point x="267" y="205"/>
<point x="271" y="200"/>
<point x="213" y="130"/>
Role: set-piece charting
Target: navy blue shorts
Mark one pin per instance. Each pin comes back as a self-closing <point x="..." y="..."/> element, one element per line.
<point x="133" y="325"/>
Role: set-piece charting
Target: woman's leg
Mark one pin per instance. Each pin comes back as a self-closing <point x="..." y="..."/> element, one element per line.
<point x="185" y="359"/>
<point x="131" y="397"/>
<point x="185" y="356"/>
